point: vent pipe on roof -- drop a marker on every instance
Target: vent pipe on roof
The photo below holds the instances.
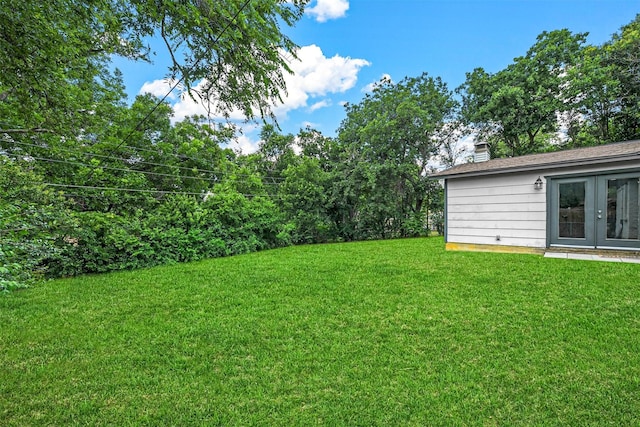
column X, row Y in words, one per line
column 481, row 153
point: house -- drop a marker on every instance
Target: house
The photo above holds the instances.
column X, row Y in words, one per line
column 586, row 198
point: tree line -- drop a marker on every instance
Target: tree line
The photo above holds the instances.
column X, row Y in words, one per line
column 89, row 183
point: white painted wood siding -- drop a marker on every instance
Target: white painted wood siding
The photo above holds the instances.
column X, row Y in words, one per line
column 479, row 209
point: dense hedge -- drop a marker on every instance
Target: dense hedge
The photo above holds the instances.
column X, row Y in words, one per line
column 181, row 228
column 32, row 217
column 43, row 237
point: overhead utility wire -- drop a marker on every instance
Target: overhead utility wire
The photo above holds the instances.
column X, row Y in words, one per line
column 144, row 190
column 219, row 172
column 124, row 159
column 181, row 157
column 134, row 190
column 69, row 162
column 175, row 85
column 213, row 180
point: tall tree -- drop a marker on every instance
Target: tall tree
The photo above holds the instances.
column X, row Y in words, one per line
column 275, row 153
column 594, row 93
column 604, row 90
column 516, row 108
column 623, row 52
column 54, row 54
column 388, row 140
column 304, row 201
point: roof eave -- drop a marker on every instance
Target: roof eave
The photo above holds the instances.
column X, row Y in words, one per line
column 549, row 165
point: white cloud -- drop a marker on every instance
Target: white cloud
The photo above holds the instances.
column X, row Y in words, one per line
column 244, row 144
column 320, row 104
column 186, row 105
column 319, row 75
column 296, row 145
column 314, row 75
column 328, row 9
column 196, row 105
column 160, row 88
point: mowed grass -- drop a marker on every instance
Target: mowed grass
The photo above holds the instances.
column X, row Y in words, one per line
column 374, row 333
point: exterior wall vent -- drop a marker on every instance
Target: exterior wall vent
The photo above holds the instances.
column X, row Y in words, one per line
column 481, row 153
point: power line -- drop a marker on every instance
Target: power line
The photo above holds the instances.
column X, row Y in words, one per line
column 133, row 190
column 275, row 180
column 212, row 180
column 143, row 190
column 129, row 161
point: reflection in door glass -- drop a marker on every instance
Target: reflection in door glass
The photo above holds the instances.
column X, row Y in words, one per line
column 623, row 219
column 571, row 206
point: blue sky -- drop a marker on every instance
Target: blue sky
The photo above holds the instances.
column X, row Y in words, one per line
column 346, row 45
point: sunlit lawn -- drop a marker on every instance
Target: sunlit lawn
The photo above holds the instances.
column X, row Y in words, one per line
column 374, row 333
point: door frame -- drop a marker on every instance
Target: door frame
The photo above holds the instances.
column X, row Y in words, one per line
column 595, row 211
column 602, row 241
column 589, row 240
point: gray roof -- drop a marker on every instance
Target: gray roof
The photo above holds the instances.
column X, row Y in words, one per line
column 610, row 153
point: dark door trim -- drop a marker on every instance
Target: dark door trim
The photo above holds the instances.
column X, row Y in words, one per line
column 617, row 211
column 610, row 204
column 570, row 216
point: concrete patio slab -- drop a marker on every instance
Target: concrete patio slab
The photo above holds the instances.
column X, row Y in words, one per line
column 591, row 257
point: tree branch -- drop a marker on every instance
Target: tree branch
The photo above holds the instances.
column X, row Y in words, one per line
column 165, row 38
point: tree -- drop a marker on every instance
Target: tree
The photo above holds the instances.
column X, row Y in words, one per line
column 516, row 108
column 594, row 94
column 54, row 55
column 604, row 91
column 304, row 200
column 452, row 147
column 623, row 53
column 388, row 140
column 64, row 117
column 33, row 218
column 275, row 153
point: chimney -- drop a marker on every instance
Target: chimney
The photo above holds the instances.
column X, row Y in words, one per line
column 481, row 153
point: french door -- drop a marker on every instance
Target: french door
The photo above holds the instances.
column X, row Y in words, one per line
column 595, row 211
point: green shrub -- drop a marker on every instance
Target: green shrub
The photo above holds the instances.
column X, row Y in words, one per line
column 180, row 229
column 32, row 218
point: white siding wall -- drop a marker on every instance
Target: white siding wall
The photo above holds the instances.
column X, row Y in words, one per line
column 480, row 209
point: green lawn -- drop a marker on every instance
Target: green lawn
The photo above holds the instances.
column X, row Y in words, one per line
column 375, row 333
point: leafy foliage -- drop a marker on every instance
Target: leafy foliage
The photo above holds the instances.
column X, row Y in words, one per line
column 623, row 55
column 516, row 108
column 91, row 183
column 562, row 93
column 305, row 202
column 32, row 219
column 388, row 140
column 55, row 54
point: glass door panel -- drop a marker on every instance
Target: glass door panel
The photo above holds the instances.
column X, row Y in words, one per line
column 619, row 211
column 571, row 218
column 622, row 209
